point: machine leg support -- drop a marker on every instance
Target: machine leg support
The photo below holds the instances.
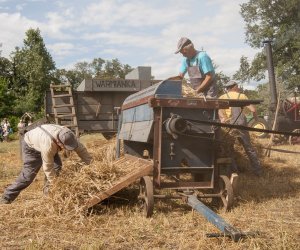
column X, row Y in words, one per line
column 216, row 220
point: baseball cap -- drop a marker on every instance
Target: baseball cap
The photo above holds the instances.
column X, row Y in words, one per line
column 230, row 83
column 183, row 41
column 68, row 139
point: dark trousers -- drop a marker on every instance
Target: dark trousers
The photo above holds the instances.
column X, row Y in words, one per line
column 244, row 139
column 32, row 162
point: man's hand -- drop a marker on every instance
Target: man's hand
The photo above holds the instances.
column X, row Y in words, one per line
column 255, row 116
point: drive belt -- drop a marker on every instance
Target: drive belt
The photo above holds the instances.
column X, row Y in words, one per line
column 226, row 125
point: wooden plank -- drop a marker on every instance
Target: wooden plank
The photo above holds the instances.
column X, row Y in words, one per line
column 61, row 96
column 99, row 117
column 92, row 108
column 53, row 86
column 98, row 125
column 124, row 182
column 63, row 105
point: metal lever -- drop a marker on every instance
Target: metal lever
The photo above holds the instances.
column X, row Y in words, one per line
column 216, row 220
column 241, row 235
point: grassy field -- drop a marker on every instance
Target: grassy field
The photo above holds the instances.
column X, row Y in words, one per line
column 269, row 204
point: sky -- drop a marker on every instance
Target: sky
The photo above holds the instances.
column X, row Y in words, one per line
column 137, row 32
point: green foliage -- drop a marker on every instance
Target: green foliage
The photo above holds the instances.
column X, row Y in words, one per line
column 243, row 74
column 6, row 98
column 33, row 67
column 221, row 79
column 14, row 120
column 279, row 21
column 98, row 68
column 255, row 95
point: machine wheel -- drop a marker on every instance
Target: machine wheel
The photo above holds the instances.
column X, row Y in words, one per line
column 146, row 196
column 294, row 139
column 261, row 124
column 226, row 192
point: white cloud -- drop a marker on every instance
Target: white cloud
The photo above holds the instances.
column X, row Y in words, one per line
column 19, row 7
column 13, row 28
column 131, row 14
column 61, row 49
column 59, row 25
column 138, row 32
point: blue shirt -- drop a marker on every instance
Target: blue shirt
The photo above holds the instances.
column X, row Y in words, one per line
column 204, row 61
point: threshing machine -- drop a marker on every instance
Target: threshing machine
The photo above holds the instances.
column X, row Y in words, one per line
column 157, row 123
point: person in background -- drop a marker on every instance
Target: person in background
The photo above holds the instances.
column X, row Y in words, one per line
column 199, row 67
column 40, row 147
column 1, row 133
column 6, row 129
column 234, row 115
column 21, row 125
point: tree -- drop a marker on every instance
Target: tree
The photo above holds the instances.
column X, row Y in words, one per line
column 33, row 72
column 98, row 68
column 243, row 74
column 6, row 98
column 279, row 21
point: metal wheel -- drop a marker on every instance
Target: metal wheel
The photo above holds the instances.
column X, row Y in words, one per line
column 294, row 139
column 226, row 192
column 146, row 195
column 260, row 123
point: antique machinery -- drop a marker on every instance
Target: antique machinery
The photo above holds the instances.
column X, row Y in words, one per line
column 289, row 113
column 159, row 124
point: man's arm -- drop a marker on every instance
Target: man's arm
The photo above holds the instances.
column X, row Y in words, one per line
column 252, row 108
column 82, row 152
column 48, row 163
column 205, row 84
column 222, row 116
column 181, row 75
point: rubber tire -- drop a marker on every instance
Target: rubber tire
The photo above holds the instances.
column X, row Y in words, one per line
column 259, row 123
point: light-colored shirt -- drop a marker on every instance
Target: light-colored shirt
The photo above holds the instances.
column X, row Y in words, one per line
column 43, row 143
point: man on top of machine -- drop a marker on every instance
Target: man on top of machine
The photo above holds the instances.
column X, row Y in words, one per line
column 199, row 67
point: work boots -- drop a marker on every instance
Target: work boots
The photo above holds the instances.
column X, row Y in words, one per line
column 4, row 201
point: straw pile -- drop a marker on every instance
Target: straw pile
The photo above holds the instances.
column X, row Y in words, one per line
column 187, row 90
column 78, row 182
column 268, row 204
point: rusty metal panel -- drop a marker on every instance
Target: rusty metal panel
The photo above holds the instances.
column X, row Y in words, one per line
column 157, row 140
column 166, row 88
column 189, row 103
